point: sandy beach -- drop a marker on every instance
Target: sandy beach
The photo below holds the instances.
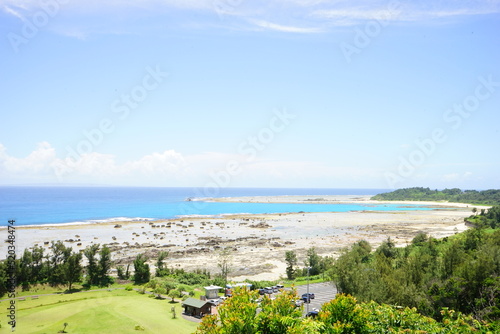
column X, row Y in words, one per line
column 258, row 242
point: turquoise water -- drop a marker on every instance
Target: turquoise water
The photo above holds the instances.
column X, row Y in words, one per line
column 55, row 205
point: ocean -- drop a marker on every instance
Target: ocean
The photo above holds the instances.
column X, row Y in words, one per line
column 62, row 205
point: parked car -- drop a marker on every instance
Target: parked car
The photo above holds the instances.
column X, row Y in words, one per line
column 307, row 297
column 280, row 287
column 262, row 291
column 298, row 302
column 215, row 302
column 313, row 314
column 275, row 289
column 269, row 290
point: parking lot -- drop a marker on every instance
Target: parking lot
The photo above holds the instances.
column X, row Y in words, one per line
column 324, row 292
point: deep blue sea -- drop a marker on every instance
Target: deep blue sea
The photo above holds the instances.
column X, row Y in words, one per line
column 57, row 205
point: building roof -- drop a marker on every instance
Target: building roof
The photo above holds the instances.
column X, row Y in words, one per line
column 213, row 287
column 193, row 302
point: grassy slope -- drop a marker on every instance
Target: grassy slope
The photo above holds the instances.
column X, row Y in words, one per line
column 117, row 311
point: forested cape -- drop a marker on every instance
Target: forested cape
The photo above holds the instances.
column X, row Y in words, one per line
column 485, row 197
column 461, row 272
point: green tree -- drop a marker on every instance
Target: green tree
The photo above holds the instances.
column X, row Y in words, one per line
column 141, row 269
column 92, row 264
column 313, row 261
column 170, row 284
column 344, row 315
column 26, row 269
column 37, row 270
column 236, row 316
column 419, row 239
column 121, row 273
column 73, row 269
column 60, row 255
column 279, row 315
column 160, row 265
column 388, row 248
column 175, row 293
column 451, row 258
column 158, row 287
column 291, row 262
column 104, row 265
column 350, row 273
column 4, row 277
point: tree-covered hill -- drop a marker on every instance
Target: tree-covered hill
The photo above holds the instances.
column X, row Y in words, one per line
column 485, row 197
column 461, row 272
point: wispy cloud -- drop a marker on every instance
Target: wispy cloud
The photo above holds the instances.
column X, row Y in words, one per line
column 287, row 16
column 357, row 12
column 13, row 12
column 353, row 16
column 284, row 28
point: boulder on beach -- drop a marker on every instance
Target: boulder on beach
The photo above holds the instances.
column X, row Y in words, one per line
column 260, row 225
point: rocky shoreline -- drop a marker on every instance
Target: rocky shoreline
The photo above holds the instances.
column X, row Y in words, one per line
column 257, row 242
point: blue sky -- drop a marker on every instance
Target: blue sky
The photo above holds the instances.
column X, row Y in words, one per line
column 297, row 93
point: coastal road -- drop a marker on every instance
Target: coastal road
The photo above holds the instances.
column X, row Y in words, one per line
column 323, row 292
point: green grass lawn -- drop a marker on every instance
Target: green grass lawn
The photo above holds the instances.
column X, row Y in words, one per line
column 116, row 311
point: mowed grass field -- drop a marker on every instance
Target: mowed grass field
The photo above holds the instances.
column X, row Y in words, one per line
column 115, row 311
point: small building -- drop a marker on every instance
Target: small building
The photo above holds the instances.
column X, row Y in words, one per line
column 196, row 308
column 212, row 291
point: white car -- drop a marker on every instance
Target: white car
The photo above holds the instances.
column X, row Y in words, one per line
column 299, row 302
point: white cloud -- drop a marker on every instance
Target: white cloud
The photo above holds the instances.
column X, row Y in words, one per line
column 168, row 168
column 283, row 28
column 13, row 12
column 166, row 162
column 356, row 14
column 37, row 161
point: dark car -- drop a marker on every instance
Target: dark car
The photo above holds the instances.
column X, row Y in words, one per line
column 262, row 291
column 306, row 297
column 313, row 314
